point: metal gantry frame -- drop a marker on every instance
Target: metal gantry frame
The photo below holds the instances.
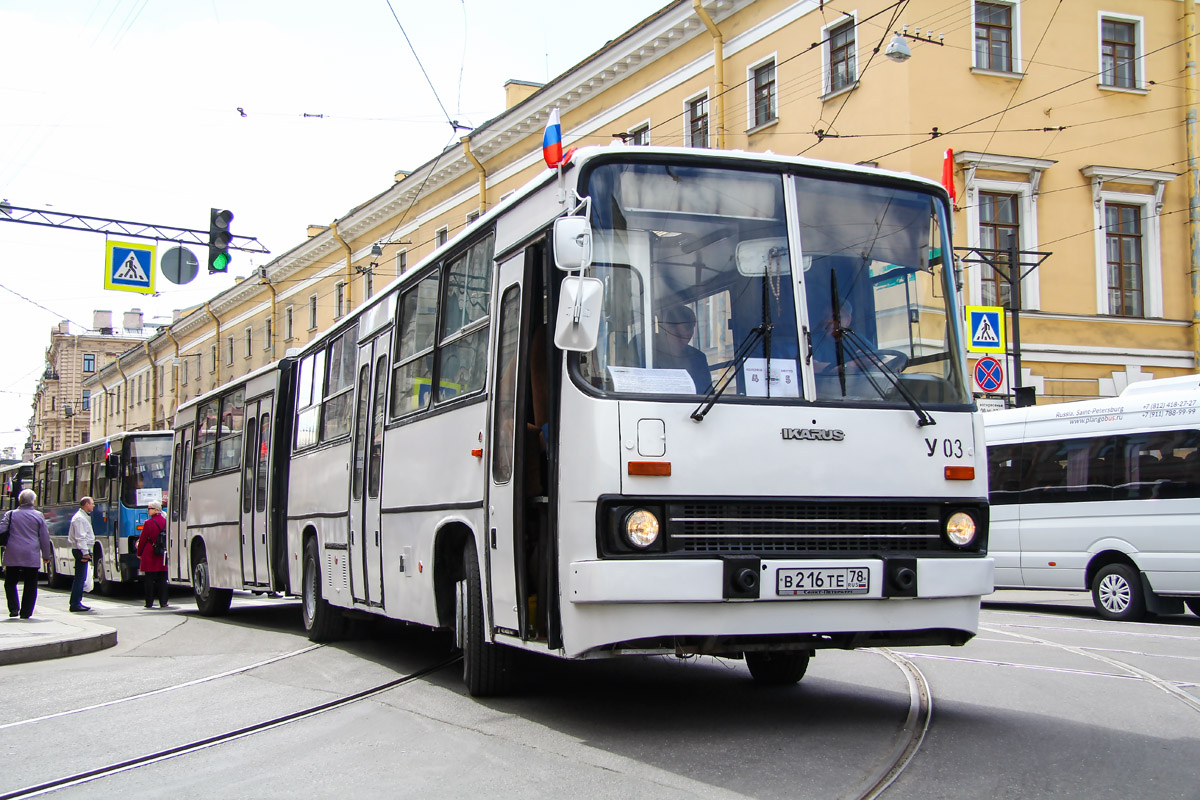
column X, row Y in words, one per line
column 1009, row 263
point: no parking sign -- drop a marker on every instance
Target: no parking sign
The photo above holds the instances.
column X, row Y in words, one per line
column 988, row 375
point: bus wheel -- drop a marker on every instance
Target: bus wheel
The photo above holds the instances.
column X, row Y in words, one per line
column 209, row 601
column 54, row 580
column 323, row 622
column 487, row 668
column 100, row 580
column 1193, row 604
column 1117, row 593
column 777, row 669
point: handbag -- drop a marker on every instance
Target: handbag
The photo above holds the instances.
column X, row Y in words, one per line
column 87, row 577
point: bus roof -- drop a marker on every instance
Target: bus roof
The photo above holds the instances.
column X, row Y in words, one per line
column 114, row 439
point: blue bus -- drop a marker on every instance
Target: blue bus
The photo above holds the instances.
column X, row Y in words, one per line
column 123, row 474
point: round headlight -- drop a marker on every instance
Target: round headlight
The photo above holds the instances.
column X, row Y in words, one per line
column 641, row 528
column 960, row 528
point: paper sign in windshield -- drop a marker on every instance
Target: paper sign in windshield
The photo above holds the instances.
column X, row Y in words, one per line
column 784, row 380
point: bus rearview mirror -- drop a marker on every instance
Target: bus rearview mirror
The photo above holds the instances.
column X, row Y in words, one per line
column 580, row 302
column 572, row 243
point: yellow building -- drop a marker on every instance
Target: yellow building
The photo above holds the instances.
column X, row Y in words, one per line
column 1067, row 122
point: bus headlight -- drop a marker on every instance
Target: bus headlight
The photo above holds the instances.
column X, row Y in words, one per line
column 960, row 528
column 641, row 528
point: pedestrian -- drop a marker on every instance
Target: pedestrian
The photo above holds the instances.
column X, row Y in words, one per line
column 81, row 538
column 153, row 559
column 28, row 538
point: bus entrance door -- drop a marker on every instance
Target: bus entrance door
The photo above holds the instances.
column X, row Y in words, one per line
column 366, row 554
column 255, row 474
column 177, row 549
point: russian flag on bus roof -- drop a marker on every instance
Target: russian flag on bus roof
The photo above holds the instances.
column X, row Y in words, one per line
column 552, row 141
column 107, row 449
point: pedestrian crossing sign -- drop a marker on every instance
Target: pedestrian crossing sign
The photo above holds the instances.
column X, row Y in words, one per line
column 985, row 329
column 129, row 267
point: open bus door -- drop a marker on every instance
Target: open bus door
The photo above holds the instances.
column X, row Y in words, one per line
column 366, row 553
column 255, row 476
column 177, row 552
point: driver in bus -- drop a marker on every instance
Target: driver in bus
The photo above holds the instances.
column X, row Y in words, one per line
column 676, row 326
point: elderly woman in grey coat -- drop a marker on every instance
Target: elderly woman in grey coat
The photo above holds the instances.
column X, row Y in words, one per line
column 28, row 539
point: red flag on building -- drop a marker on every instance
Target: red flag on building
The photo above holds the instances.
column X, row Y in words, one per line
column 948, row 176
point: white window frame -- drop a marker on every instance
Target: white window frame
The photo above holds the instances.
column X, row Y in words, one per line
column 827, row 90
column 1026, row 192
column 268, row 332
column 687, row 119
column 441, row 236
column 339, row 299
column 288, row 322
column 1151, row 202
column 249, row 341
column 1139, row 60
column 229, row 351
column 1017, row 63
column 213, row 354
column 312, row 312
column 644, row 125
column 751, row 125
column 401, row 262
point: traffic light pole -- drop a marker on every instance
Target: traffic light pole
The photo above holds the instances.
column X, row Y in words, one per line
column 136, row 230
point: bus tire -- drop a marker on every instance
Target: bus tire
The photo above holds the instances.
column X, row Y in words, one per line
column 1117, row 593
column 209, row 601
column 1193, row 604
column 54, row 580
column 777, row 669
column 323, row 622
column 101, row 584
column 487, row 667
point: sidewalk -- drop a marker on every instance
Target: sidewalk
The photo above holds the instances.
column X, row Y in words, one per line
column 52, row 632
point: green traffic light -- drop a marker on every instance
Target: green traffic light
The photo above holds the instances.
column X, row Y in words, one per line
column 221, row 262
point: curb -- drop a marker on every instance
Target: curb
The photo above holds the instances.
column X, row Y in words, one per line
column 60, row 648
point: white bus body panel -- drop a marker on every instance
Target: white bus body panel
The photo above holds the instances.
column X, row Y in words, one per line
column 1049, row 545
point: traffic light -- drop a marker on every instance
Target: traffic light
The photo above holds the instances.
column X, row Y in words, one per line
column 218, row 239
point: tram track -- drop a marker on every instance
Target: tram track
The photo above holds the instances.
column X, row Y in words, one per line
column 221, row 738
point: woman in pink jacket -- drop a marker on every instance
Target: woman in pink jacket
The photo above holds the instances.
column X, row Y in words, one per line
column 153, row 564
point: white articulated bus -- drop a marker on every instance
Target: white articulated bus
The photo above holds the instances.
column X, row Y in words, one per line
column 1102, row 495
column 657, row 401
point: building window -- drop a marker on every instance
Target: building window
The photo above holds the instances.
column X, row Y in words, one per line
column 1118, row 53
column 998, row 230
column 640, row 136
column 161, row 381
column 183, row 379
column 287, row 324
column 696, row 133
column 441, row 236
column 994, row 37
column 249, row 341
column 401, row 262
column 371, row 280
column 89, row 362
column 842, row 70
column 763, row 82
column 312, row 313
column 212, row 352
column 268, row 333
column 87, row 399
column 339, row 300
column 228, row 350
column 84, row 437
column 1123, row 240
column 472, row 216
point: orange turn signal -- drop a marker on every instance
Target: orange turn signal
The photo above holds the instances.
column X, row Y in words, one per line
column 477, row 452
column 649, row 467
column 960, row 473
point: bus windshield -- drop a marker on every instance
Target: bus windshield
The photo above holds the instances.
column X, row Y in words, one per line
column 146, row 471
column 697, row 266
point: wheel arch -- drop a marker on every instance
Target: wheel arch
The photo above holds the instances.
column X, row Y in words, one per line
column 448, row 546
column 1102, row 559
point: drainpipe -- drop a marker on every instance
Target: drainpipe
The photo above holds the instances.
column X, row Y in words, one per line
column 104, row 411
column 718, row 68
column 216, row 366
column 466, row 143
column 1189, row 33
column 349, row 269
column 125, row 399
column 267, row 284
column 174, row 372
column 153, row 387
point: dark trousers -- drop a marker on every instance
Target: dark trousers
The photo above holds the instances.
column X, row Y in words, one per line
column 81, row 568
column 15, row 575
column 156, row 586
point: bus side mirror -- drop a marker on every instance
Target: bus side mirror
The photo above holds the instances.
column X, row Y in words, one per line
column 580, row 302
column 572, row 243
column 112, row 467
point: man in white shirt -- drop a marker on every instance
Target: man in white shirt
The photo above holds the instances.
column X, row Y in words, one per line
column 81, row 538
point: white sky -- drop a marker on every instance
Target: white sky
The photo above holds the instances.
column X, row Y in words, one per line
column 127, row 109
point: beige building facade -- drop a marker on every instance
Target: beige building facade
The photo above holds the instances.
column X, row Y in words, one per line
column 1068, row 125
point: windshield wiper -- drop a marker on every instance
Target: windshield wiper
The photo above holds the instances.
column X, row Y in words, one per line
column 718, row 389
column 864, row 347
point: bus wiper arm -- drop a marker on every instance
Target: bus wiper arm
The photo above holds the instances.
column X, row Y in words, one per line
column 923, row 417
column 718, row 389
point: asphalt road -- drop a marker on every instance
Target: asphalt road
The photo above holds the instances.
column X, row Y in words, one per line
column 1048, row 700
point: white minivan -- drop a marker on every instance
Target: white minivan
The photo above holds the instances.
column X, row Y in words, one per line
column 1101, row 495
